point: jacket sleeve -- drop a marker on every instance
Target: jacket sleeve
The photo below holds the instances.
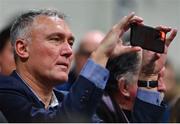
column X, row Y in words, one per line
column 77, row 106
column 146, row 112
column 81, row 102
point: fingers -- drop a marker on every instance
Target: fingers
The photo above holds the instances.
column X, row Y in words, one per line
column 132, row 49
column 171, row 37
column 166, row 30
column 158, row 55
column 124, row 23
column 136, row 19
column 125, row 49
column 125, row 20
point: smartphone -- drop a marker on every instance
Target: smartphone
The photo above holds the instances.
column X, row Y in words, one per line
column 147, row 38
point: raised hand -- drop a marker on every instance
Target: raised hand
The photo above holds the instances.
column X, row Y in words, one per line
column 112, row 44
column 152, row 63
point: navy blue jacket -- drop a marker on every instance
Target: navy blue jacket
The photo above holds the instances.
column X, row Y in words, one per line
column 2, row 118
column 19, row 104
column 142, row 112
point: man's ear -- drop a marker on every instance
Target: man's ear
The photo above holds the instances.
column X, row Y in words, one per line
column 123, row 87
column 21, row 47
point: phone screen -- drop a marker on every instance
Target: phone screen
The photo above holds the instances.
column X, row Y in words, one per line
column 147, row 38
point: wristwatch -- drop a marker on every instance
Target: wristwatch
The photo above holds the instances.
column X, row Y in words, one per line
column 148, row 84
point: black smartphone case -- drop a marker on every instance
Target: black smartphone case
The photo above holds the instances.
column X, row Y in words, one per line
column 147, row 38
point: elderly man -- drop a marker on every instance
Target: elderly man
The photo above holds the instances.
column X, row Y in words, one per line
column 43, row 53
column 121, row 90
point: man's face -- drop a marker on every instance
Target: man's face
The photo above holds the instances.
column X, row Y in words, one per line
column 7, row 63
column 132, row 89
column 50, row 49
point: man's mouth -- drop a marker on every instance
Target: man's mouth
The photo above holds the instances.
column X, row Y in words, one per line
column 63, row 66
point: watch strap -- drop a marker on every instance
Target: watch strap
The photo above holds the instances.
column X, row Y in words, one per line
column 148, row 84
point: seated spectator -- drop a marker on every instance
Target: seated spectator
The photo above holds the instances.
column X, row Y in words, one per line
column 7, row 63
column 171, row 94
column 120, row 92
column 169, row 76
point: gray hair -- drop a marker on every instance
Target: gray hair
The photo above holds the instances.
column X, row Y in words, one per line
column 126, row 65
column 20, row 28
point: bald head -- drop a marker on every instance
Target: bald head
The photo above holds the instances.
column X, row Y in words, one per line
column 93, row 37
column 89, row 42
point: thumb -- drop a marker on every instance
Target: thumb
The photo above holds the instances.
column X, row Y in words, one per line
column 125, row 49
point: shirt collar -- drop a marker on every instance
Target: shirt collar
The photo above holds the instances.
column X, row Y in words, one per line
column 54, row 101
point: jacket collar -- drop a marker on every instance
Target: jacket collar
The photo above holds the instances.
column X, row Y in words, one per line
column 26, row 90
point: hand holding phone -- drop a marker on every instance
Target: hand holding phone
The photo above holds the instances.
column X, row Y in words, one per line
column 147, row 38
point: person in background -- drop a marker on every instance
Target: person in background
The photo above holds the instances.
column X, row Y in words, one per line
column 7, row 63
column 171, row 94
column 175, row 115
column 170, row 76
column 120, row 92
column 89, row 42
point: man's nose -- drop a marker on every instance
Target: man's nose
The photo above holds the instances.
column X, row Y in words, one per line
column 161, row 85
column 66, row 49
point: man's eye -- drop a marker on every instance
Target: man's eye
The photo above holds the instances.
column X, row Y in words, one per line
column 71, row 43
column 54, row 39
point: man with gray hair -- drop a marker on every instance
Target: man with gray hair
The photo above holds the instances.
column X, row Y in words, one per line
column 121, row 89
column 43, row 41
